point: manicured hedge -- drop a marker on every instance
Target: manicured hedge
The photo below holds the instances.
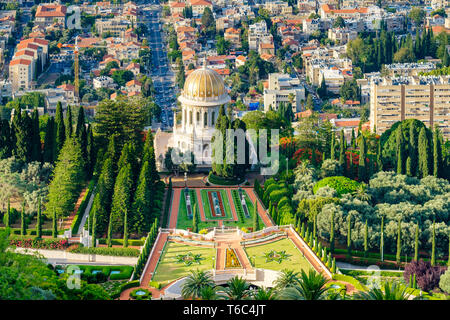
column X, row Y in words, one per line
column 223, row 181
column 145, row 296
column 30, row 232
column 79, row 215
column 105, row 251
column 349, row 279
column 125, row 286
column 125, row 272
column 341, row 184
column 119, row 242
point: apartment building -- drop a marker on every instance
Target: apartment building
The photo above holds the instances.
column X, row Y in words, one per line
column 234, row 36
column 334, row 79
column 21, row 74
column 49, row 13
column 258, row 33
column 283, row 88
column 407, row 69
column 341, row 35
column 423, row 98
column 115, row 27
column 276, row 8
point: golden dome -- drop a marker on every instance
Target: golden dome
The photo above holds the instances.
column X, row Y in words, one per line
column 204, row 84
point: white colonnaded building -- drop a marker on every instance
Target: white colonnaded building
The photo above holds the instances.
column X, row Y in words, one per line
column 202, row 96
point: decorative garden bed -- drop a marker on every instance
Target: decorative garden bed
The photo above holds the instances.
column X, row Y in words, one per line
column 231, row 259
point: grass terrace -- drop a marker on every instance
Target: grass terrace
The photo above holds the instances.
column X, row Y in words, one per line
column 170, row 268
column 294, row 261
column 225, row 201
column 183, row 221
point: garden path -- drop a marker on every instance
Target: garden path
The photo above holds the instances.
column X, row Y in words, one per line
column 262, row 213
column 175, row 207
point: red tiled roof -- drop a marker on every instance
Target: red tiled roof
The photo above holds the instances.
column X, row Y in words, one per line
column 51, row 10
column 20, row 61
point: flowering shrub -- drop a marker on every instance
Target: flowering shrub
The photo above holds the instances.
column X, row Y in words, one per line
column 232, row 260
column 51, row 244
column 303, row 154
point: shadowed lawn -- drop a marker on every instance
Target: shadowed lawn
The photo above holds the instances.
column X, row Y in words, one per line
column 295, row 261
column 170, row 269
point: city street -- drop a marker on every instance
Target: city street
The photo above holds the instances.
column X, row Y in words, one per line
column 162, row 75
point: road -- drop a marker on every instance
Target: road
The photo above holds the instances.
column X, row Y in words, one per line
column 161, row 73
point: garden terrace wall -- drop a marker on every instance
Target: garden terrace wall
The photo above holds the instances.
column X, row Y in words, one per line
column 54, row 254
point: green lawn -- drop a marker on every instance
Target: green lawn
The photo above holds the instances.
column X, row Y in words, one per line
column 226, row 205
column 294, row 262
column 247, row 222
column 169, row 269
column 183, row 221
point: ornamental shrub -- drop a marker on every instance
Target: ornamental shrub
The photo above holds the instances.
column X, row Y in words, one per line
column 341, row 184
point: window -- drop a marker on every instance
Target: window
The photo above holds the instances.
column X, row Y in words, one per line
column 198, row 118
column 190, row 117
column 205, row 119
column 213, row 118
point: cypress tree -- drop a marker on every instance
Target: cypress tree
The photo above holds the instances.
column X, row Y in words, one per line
column 80, row 125
column 416, row 244
column 400, row 151
column 332, row 233
column 7, row 220
column 353, row 141
column 94, row 229
column 332, row 146
column 60, row 136
column 90, row 151
column 109, row 235
column 349, row 235
column 69, row 122
column 399, row 242
column 49, row 142
column 54, row 226
column 315, row 227
column 366, row 243
column 22, row 126
column 142, row 204
column 23, row 224
column 448, row 262
column 379, row 157
column 121, row 199
column 382, row 238
column 333, row 266
column 255, row 217
column 194, row 220
column 414, row 281
column 362, row 169
column 437, row 153
column 125, row 229
column 412, row 149
column 303, row 230
column 39, row 221
column 5, row 139
column 433, row 246
column 423, row 154
column 342, row 151
column 35, row 137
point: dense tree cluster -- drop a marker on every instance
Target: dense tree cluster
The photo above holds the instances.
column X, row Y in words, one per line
column 129, row 193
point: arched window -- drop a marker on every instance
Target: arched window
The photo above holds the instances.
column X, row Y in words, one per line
column 213, row 118
column 184, row 117
column 205, row 119
column 198, row 118
column 190, row 117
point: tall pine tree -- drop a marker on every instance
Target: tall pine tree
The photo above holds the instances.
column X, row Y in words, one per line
column 60, row 135
column 424, row 154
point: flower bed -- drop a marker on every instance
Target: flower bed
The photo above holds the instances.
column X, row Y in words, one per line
column 48, row 244
column 231, row 260
column 105, row 251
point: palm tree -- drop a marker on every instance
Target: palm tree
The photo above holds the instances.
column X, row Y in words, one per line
column 288, row 278
column 208, row 293
column 237, row 289
column 361, row 193
column 265, row 294
column 194, row 284
column 310, row 286
column 390, row 291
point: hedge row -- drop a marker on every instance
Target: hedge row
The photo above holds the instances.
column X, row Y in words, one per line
column 167, row 203
column 30, row 232
column 212, row 178
column 105, row 251
column 80, row 213
column 125, row 286
column 142, row 260
column 342, row 277
column 119, row 242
